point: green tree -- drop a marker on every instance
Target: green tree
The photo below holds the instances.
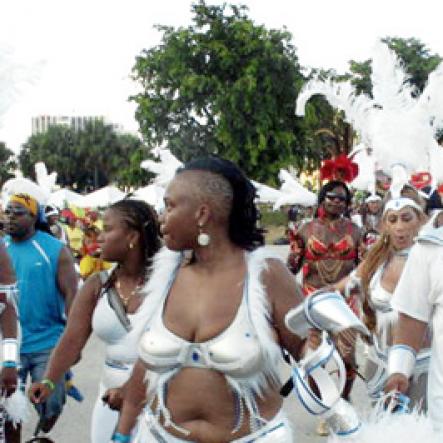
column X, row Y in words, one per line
column 417, row 61
column 7, row 163
column 223, row 85
column 84, row 160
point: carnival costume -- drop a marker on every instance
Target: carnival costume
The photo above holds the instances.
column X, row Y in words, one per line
column 419, row 294
column 120, row 356
column 15, row 407
column 245, row 352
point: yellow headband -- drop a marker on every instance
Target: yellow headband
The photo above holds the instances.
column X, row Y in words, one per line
column 27, row 201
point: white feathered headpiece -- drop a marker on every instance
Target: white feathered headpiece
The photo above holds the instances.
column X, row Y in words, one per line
column 398, row 127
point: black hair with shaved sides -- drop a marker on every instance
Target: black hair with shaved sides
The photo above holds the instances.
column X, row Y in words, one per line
column 243, row 215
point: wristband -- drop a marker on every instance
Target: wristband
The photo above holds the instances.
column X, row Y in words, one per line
column 122, row 438
column 10, row 349
column 401, row 360
column 49, row 383
column 9, row 364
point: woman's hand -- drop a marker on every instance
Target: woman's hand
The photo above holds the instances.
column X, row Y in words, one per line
column 39, row 392
column 8, row 381
column 397, row 383
column 314, row 338
column 114, row 398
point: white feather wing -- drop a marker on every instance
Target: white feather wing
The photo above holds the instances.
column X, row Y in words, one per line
column 293, row 193
column 341, row 95
column 390, row 87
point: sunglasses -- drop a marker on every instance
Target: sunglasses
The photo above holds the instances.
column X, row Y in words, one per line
column 16, row 211
column 332, row 196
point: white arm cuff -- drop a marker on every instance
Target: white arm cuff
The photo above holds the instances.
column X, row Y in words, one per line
column 401, row 360
column 10, row 349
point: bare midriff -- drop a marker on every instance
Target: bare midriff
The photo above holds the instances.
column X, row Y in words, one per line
column 201, row 401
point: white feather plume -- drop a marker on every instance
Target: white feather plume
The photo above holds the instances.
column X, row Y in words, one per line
column 340, row 95
column 431, row 100
column 45, row 180
column 384, row 426
column 398, row 127
column 390, row 87
column 164, row 169
column 365, row 180
column 293, row 193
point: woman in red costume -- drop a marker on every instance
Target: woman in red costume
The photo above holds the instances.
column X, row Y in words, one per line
column 326, row 250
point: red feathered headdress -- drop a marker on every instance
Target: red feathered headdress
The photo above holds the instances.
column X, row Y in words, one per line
column 339, row 168
column 421, row 179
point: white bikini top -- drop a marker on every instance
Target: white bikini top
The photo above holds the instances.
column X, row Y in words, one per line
column 121, row 346
column 245, row 352
column 236, row 351
column 380, row 297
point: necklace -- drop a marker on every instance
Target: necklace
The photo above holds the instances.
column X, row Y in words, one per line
column 125, row 298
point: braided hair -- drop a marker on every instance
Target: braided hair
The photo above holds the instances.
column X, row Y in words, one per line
column 142, row 217
column 243, row 214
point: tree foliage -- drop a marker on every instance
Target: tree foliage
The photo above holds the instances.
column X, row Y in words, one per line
column 7, row 163
column 84, row 160
column 223, row 85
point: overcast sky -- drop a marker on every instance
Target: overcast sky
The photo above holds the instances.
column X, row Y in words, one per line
column 79, row 53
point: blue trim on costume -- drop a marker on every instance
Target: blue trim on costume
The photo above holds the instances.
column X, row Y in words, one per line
column 308, row 390
column 345, row 433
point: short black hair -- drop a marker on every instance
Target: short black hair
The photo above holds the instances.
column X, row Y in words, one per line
column 243, row 217
column 328, row 187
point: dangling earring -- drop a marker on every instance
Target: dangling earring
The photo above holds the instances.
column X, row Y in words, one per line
column 131, row 245
column 203, row 239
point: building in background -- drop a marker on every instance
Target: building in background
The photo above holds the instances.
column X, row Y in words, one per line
column 41, row 123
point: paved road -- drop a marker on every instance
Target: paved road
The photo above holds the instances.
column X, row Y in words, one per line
column 73, row 426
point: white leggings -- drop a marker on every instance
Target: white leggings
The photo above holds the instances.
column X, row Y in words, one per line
column 104, row 419
column 277, row 430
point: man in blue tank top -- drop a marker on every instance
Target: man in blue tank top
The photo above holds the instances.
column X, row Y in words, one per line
column 47, row 283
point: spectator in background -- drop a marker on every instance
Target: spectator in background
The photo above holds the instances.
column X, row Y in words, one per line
column 47, row 284
column 75, row 235
column 53, row 216
column 91, row 261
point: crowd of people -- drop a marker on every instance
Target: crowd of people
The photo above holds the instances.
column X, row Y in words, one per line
column 191, row 305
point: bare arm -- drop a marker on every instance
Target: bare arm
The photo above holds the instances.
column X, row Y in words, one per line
column 284, row 294
column 79, row 328
column 66, row 277
column 410, row 331
column 134, row 399
column 8, row 319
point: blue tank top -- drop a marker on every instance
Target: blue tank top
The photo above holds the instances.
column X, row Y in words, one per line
column 41, row 305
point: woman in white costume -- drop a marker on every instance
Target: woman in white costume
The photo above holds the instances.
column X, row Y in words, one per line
column 211, row 350
column 109, row 306
column 12, row 409
column 419, row 300
column 376, row 279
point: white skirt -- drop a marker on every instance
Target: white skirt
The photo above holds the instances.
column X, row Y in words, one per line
column 277, row 430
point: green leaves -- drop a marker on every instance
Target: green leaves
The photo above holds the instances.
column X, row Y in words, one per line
column 222, row 85
column 86, row 159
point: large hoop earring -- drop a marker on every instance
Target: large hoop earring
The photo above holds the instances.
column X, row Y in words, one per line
column 203, row 239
